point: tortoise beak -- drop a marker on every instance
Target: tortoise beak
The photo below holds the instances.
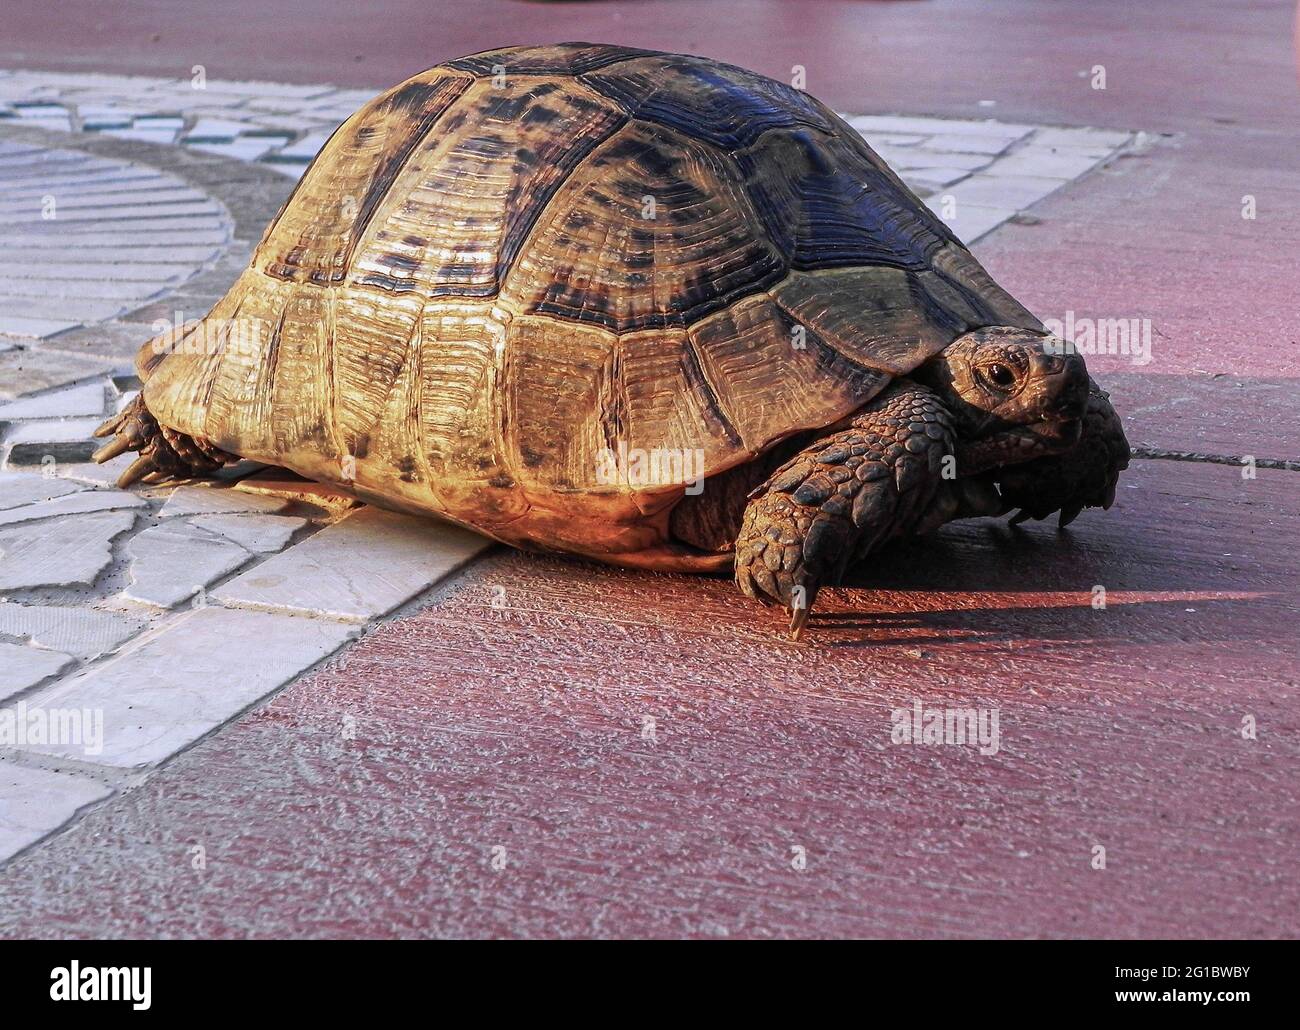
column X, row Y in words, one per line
column 1060, row 434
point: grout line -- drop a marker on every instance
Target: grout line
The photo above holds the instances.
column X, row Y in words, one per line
column 1158, row 454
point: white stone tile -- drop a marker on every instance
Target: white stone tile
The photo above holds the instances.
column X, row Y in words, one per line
column 219, row 500
column 80, row 312
column 257, row 88
column 305, row 148
column 92, row 474
column 40, row 110
column 175, row 686
column 114, row 230
column 163, row 135
column 1016, row 192
column 97, row 261
column 17, row 488
column 47, row 163
column 56, row 124
column 82, row 632
column 105, row 209
column 128, row 237
column 933, row 178
column 160, row 121
column 967, row 144
column 72, row 504
column 71, row 439
column 126, row 270
column 60, row 552
column 218, row 129
column 289, row 169
column 261, row 534
column 23, row 666
column 914, row 157
column 80, row 194
column 361, row 567
column 34, row 328
column 172, row 562
column 106, row 115
column 894, row 139
column 246, row 148
column 43, row 369
column 36, row 802
column 130, row 292
column 1085, row 138
column 970, row 221
column 70, row 402
column 867, row 124
column 1045, row 162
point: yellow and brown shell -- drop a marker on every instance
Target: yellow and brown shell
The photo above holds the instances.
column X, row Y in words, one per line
column 516, row 267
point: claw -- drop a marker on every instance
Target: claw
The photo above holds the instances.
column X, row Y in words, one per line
column 138, row 469
column 112, row 449
column 798, row 619
column 109, row 425
column 1069, row 514
column 1021, row 516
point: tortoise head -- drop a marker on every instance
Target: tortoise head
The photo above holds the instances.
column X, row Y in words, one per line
column 1014, row 394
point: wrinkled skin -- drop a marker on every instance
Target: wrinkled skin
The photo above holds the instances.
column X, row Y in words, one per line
column 1002, row 419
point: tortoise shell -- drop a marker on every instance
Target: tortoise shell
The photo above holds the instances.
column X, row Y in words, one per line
column 509, row 267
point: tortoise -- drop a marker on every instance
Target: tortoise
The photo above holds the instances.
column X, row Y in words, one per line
column 642, row 307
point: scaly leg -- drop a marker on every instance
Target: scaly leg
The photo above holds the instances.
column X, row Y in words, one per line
column 841, row 497
column 1083, row 477
column 164, row 453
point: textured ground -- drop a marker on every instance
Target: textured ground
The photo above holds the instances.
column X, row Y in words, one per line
column 550, row 747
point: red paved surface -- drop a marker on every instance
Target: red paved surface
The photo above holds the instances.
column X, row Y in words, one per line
column 1178, row 63
column 521, row 728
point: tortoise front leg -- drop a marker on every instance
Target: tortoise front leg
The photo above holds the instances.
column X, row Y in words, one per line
column 843, row 496
column 1083, row 477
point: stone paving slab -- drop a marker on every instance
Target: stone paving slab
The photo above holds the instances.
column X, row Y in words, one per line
column 172, row 562
column 24, row 371
column 74, row 402
column 24, row 667
column 178, row 685
column 36, row 802
column 61, row 551
column 77, row 504
column 339, row 573
column 31, row 442
column 81, row 632
column 115, row 222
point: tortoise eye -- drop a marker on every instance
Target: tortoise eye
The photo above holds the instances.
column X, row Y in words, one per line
column 999, row 375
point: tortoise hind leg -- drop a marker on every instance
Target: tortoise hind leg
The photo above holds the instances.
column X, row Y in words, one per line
column 164, row 453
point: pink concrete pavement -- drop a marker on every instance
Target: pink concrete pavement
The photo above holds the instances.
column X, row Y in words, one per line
column 522, row 728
